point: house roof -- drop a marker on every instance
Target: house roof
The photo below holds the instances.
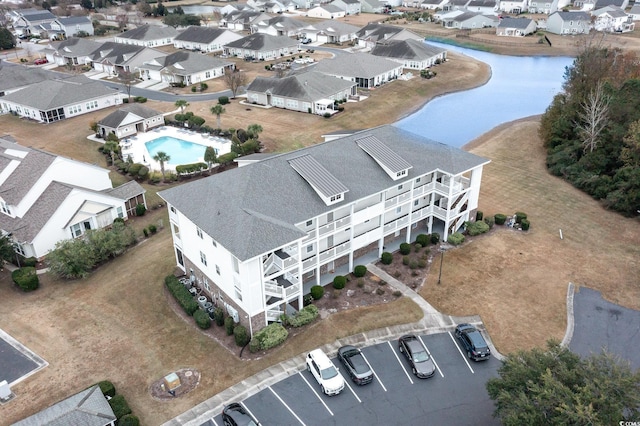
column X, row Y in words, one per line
column 330, row 7
column 261, row 41
column 87, row 408
column 114, row 119
column 309, row 86
column 74, row 46
column 612, row 11
column 375, row 32
column 519, row 23
column 406, row 49
column 15, row 76
column 332, row 27
column 186, row 63
column 602, row 3
column 635, row 9
column 32, row 165
column 362, row 65
column 204, row 35
column 470, row 15
column 282, row 23
column 149, row 32
column 482, row 3
column 572, row 16
column 52, row 94
column 248, row 212
column 127, row 190
column 39, row 15
column 73, row 20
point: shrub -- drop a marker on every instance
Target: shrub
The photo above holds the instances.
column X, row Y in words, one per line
column 134, row 169
column 29, row 261
column 140, row 209
column 145, row 231
column 181, row 294
column 193, row 89
column 119, row 406
column 423, row 239
column 520, row 216
column 499, row 219
column 479, row 215
column 489, row 220
column 413, row 264
column 405, row 260
column 307, row 299
column 140, row 99
column 241, row 335
column 223, row 100
column 417, row 247
column 153, row 229
column 303, row 317
column 118, row 220
column 202, row 319
column 422, row 263
column 477, row 228
column 456, row 239
column 129, row 420
column 360, row 283
column 359, row 271
column 317, row 291
column 186, row 169
column 386, row 258
column 107, row 388
column 397, row 293
column 405, row 248
column 326, row 115
column 229, row 325
column 26, row 278
column 379, row 291
column 218, row 316
column 339, row 282
column 435, row 238
column 268, row 337
column 525, row 224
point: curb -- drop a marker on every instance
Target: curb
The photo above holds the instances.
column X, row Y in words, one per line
column 568, row 334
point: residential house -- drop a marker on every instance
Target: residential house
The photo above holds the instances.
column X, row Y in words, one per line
column 204, row 39
column 513, row 6
column 262, row 47
column 516, row 27
column 635, row 12
column 89, row 407
column 115, row 58
column 148, row 36
column 442, row 15
column 569, row 23
column 612, row 19
column 547, row 6
column 184, row 68
column 587, row 5
column 255, row 238
column 303, row 4
column 431, row 4
column 326, row 11
column 350, row 7
column 330, row 32
column 242, row 20
column 53, row 100
column 45, row 198
column 364, row 69
column 373, row 33
column 279, row 26
column 73, row 51
column 485, row 7
column 271, row 6
column 452, row 5
column 470, row 20
column 129, row 120
column 411, row 54
column 309, row 92
column 71, row 26
column 27, row 22
column 14, row 78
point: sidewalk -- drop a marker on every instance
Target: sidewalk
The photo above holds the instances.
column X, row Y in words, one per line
column 432, row 322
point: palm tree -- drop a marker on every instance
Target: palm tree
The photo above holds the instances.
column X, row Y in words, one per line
column 254, row 130
column 162, row 157
column 112, row 148
column 218, row 110
column 182, row 104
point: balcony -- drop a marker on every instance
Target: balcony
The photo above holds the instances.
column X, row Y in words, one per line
column 335, row 225
column 278, row 261
column 282, row 289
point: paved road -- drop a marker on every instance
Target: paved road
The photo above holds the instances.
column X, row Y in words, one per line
column 599, row 324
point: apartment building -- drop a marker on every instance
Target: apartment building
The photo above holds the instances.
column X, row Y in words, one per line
column 252, row 237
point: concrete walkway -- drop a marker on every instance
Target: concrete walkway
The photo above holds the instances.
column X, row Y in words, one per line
column 432, row 322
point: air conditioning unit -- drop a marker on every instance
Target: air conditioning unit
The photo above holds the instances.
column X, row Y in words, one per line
column 233, row 313
column 5, row 392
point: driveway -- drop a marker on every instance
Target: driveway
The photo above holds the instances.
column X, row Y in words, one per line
column 601, row 324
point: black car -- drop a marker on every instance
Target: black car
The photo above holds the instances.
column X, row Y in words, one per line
column 235, row 414
column 421, row 363
column 472, row 342
column 355, row 364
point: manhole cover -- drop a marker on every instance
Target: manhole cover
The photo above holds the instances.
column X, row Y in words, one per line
column 188, row 373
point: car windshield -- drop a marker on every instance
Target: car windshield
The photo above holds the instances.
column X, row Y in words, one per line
column 329, row 373
column 420, row 356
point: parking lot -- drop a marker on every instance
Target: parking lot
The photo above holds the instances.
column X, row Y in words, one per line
column 455, row 394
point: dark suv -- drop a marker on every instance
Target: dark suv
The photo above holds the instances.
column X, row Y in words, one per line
column 473, row 342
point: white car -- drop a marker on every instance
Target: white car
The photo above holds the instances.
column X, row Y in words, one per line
column 326, row 374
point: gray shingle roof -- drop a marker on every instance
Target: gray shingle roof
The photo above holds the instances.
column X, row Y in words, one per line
column 41, row 15
column 635, row 9
column 362, row 65
column 333, row 27
column 283, row 23
column 309, row 86
column 376, row 31
column 203, row 35
column 331, row 8
column 406, row 49
column 73, row 20
column 52, row 94
column 261, row 41
column 15, row 76
column 190, row 62
column 115, row 53
column 482, row 3
column 149, row 32
column 127, row 190
column 30, row 169
column 114, row 119
column 253, row 209
column 87, row 408
column 75, row 46
column 519, row 23
column 574, row 16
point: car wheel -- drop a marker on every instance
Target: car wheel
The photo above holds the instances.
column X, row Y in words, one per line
column 322, row 388
column 469, row 354
column 400, row 349
column 415, row 373
column 308, row 368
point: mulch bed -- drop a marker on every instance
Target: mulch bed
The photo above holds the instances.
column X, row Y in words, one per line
column 189, row 379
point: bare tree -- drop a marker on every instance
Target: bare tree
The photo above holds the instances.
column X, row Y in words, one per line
column 593, row 117
column 122, row 19
column 234, row 79
column 128, row 78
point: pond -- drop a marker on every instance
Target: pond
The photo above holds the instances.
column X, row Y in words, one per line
column 519, row 87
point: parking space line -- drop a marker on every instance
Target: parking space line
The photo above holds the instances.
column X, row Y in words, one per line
column 354, row 394
column 461, row 354
column 314, row 391
column 374, row 373
column 400, row 362
column 431, row 356
column 286, row 406
column 247, row 408
column 212, row 420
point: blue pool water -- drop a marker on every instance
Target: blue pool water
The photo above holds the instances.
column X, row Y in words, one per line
column 180, row 151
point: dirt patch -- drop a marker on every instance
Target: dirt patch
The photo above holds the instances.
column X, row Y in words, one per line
column 189, row 380
column 411, row 269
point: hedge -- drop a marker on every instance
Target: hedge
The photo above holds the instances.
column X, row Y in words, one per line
column 405, row 248
column 183, row 169
column 525, row 224
column 268, row 337
column 303, row 317
column 435, row 238
column 241, row 335
column 479, row 215
column 202, row 319
column 223, row 100
column 218, row 316
column 423, row 239
column 500, row 219
column 29, row 261
column 129, row 420
column 229, row 325
column 26, row 278
column 119, row 406
column 477, row 228
column 360, row 271
column 456, row 239
column 339, row 282
column 520, row 216
column 386, row 258
column 489, row 220
column 181, row 294
column 317, row 291
column 107, row 388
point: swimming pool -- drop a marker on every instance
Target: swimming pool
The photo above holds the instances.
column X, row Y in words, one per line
column 180, row 151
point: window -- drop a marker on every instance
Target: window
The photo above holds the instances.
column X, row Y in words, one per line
column 199, row 232
column 238, row 291
column 176, row 230
column 5, row 208
column 399, row 187
column 120, row 212
column 214, row 242
column 416, row 202
column 91, row 105
column 19, row 249
column 236, row 265
column 76, row 230
column 217, row 270
column 418, row 180
column 203, row 258
column 207, row 74
column 309, row 222
column 309, row 248
column 205, row 281
column 173, row 209
column 398, row 210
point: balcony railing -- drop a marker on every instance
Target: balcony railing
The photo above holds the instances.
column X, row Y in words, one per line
column 273, row 314
column 335, row 225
